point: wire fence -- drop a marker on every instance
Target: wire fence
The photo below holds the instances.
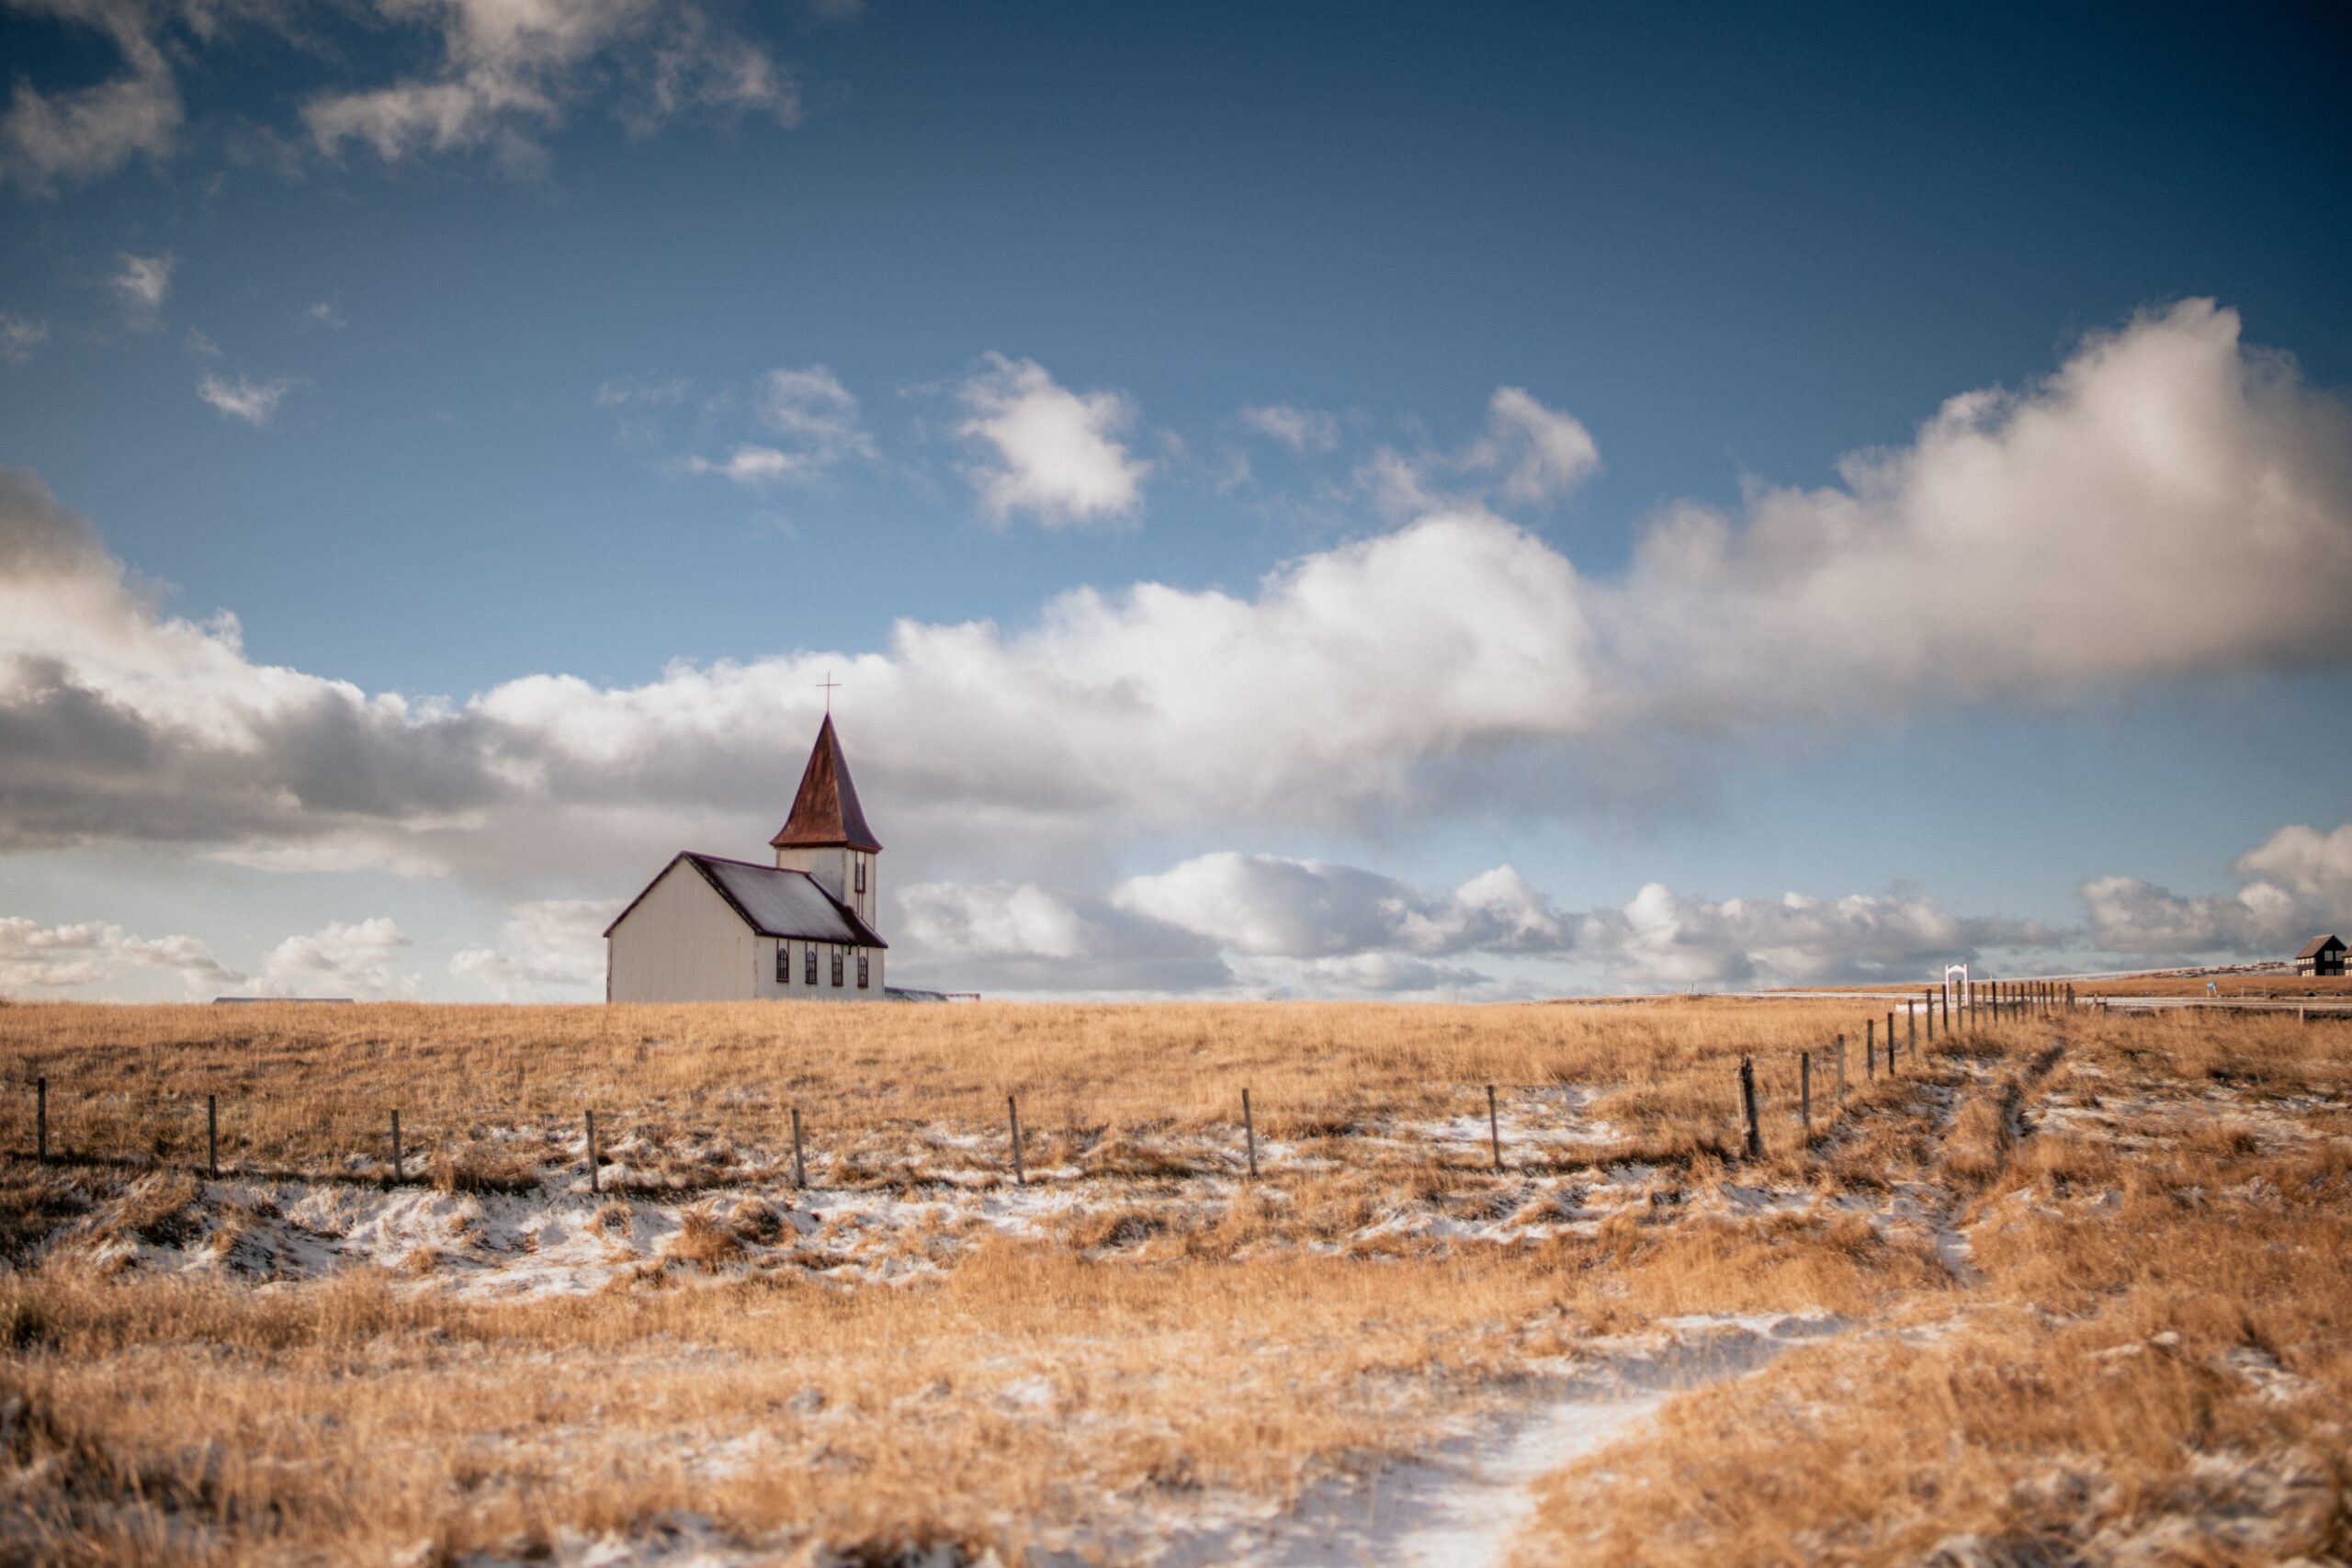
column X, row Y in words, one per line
column 1772, row 1103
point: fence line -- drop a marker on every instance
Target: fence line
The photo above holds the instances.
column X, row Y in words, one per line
column 1747, row 1105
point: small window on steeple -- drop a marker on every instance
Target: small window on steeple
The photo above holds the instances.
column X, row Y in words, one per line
column 861, row 874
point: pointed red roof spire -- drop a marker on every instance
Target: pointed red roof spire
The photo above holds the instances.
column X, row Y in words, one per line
column 825, row 813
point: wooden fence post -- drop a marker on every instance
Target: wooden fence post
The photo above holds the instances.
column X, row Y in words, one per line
column 396, row 1148
column 1869, row 1035
column 1931, row 1019
column 1748, row 1099
column 1250, row 1134
column 1804, row 1094
column 212, row 1136
column 1890, row 1045
column 593, row 1185
column 40, row 1119
column 799, row 1164
column 1013, row 1106
column 1494, row 1127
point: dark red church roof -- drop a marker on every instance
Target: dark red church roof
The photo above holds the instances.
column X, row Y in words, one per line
column 825, row 814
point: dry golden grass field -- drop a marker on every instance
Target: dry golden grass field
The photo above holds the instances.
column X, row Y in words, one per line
column 2062, row 1288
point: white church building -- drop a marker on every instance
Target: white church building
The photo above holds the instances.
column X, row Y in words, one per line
column 710, row 929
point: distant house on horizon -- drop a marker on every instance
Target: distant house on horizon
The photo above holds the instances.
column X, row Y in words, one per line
column 2321, row 955
column 708, row 929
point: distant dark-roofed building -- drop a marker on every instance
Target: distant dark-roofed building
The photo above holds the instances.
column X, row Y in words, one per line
column 710, row 928
column 2321, row 955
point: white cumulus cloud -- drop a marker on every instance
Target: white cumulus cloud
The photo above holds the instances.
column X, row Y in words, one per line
column 1054, row 455
column 2299, row 885
column 1270, row 907
column 1284, row 927
column 34, row 957
column 340, row 959
column 1537, row 454
column 991, row 919
column 549, row 950
column 1456, row 663
column 1662, row 938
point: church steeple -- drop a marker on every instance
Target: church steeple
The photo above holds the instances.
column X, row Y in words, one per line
column 825, row 814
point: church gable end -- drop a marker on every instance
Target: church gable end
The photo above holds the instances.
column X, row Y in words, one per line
column 711, row 929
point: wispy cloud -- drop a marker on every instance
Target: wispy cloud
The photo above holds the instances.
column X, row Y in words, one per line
column 1529, row 456
column 325, row 315
column 813, row 421
column 253, row 401
column 509, row 74
column 142, row 283
column 626, row 394
column 20, row 336
column 752, row 466
column 1301, row 430
column 51, row 138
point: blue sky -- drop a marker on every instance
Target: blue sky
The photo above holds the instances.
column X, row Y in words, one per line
column 1490, row 443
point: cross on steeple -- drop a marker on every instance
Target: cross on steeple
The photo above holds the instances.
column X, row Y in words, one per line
column 829, row 683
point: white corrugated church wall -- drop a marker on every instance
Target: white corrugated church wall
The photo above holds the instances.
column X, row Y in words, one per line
column 682, row 943
column 824, row 990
